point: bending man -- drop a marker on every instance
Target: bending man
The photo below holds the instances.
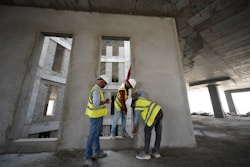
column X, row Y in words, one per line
column 152, row 115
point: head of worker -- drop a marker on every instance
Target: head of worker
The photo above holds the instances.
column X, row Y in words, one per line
column 135, row 96
column 102, row 81
column 131, row 83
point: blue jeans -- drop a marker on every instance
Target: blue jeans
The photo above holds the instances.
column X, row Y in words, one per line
column 93, row 140
column 117, row 115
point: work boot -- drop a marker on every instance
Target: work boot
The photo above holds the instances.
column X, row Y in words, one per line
column 143, row 156
column 90, row 162
column 112, row 136
column 100, row 154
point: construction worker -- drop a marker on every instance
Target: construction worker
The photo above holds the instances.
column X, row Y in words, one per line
column 152, row 115
column 121, row 108
column 96, row 110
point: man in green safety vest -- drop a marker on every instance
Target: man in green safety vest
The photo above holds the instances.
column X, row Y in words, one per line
column 152, row 115
column 96, row 110
column 121, row 108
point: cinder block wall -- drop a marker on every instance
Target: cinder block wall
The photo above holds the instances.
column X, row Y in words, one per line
column 155, row 60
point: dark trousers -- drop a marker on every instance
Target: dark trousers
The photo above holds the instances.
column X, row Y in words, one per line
column 157, row 124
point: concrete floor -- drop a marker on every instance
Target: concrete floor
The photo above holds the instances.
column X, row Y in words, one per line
column 220, row 142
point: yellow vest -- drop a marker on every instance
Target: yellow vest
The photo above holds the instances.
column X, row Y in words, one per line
column 118, row 104
column 149, row 110
column 95, row 112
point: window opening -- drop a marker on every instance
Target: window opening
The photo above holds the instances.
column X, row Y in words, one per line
column 47, row 93
column 51, row 100
column 115, row 72
column 58, row 58
column 115, row 61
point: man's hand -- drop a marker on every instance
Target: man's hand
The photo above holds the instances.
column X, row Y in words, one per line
column 107, row 101
column 124, row 112
column 134, row 129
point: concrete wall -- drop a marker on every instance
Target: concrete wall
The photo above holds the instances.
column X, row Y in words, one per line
column 155, row 59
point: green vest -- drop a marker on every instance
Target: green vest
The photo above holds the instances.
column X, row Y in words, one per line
column 93, row 111
column 149, row 110
column 118, row 104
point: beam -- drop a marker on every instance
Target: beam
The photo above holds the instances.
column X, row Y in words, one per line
column 209, row 81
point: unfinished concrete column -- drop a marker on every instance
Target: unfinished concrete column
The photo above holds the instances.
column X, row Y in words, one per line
column 218, row 113
column 230, row 102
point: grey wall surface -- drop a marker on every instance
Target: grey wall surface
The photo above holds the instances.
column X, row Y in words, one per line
column 155, row 61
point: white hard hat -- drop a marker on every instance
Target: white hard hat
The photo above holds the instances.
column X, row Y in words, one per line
column 132, row 82
column 105, row 78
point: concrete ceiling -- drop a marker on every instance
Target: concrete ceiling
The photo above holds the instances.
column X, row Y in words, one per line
column 214, row 35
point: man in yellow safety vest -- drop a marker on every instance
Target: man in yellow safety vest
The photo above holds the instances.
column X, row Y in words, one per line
column 96, row 110
column 152, row 115
column 121, row 108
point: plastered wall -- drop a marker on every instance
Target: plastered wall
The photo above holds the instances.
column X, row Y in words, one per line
column 156, row 66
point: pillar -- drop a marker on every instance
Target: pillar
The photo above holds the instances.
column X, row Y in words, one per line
column 218, row 113
column 230, row 102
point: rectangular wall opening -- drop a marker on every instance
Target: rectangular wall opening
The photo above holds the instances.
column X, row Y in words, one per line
column 51, row 101
column 47, row 93
column 58, row 58
column 115, row 60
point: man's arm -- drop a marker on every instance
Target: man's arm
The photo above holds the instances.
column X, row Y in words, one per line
column 136, row 121
column 122, row 100
column 136, row 118
column 96, row 98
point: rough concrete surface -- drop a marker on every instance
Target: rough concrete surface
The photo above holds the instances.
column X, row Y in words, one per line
column 158, row 51
column 220, row 142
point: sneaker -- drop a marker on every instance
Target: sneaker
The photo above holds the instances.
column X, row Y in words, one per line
column 112, row 136
column 90, row 162
column 155, row 155
column 125, row 134
column 143, row 155
column 100, row 154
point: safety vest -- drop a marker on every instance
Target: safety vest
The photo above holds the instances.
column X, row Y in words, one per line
column 96, row 111
column 149, row 110
column 118, row 104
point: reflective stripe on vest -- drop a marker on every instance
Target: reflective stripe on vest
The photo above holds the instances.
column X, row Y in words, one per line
column 149, row 110
column 95, row 112
column 118, row 104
